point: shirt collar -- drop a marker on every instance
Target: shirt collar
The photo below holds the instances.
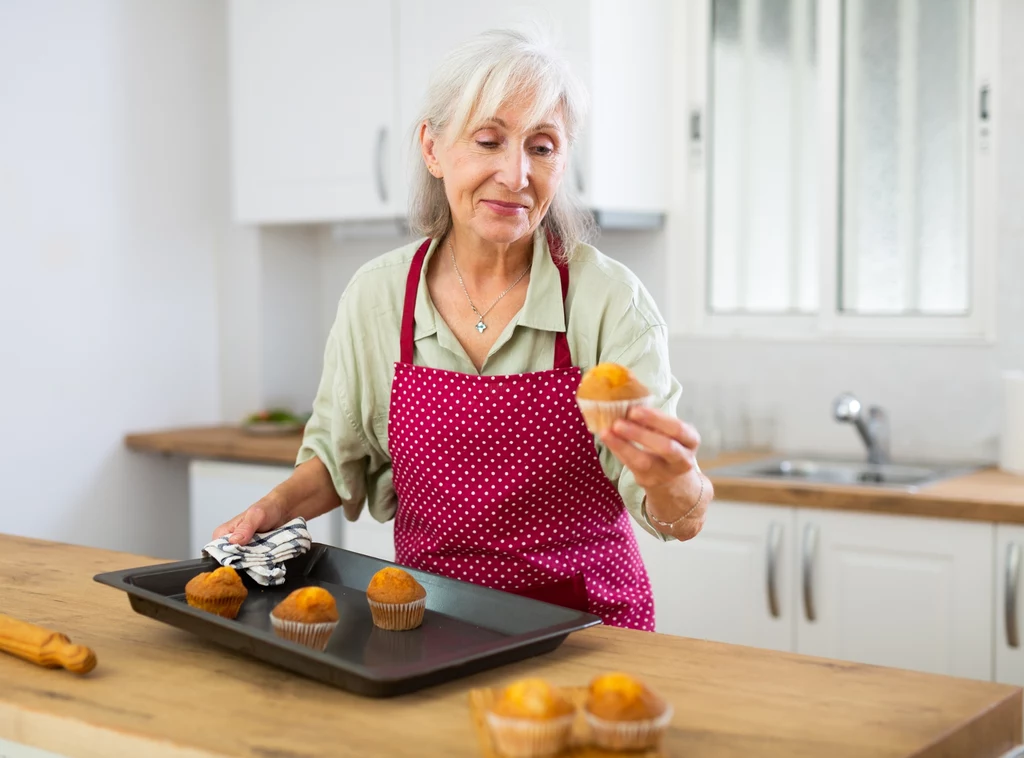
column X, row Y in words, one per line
column 543, row 308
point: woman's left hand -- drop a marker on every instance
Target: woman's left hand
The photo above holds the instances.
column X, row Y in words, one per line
column 661, row 451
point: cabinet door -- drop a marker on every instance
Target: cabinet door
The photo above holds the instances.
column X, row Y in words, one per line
column 426, row 35
column 312, row 95
column 732, row 582
column 1009, row 633
column 908, row 592
column 218, row 491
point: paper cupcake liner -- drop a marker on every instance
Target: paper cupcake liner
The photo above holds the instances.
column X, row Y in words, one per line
column 601, row 414
column 228, row 607
column 398, row 617
column 529, row 738
column 315, row 636
column 628, row 735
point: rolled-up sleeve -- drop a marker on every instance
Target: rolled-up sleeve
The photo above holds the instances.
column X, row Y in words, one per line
column 337, row 433
column 646, row 354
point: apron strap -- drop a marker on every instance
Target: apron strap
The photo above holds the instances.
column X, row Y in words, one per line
column 563, row 357
column 412, row 285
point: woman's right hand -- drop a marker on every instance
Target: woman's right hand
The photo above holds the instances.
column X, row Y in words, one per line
column 265, row 514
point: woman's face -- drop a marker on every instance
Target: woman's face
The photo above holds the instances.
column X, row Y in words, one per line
column 501, row 175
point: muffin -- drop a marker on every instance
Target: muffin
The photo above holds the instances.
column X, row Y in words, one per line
column 307, row 616
column 397, row 601
column 606, row 393
column 219, row 591
column 531, row 719
column 624, row 715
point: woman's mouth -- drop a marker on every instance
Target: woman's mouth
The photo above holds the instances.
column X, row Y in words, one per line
column 504, row 209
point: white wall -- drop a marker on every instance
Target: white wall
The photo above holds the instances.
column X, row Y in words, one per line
column 113, row 203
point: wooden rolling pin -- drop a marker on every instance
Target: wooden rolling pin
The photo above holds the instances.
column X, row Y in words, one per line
column 44, row 647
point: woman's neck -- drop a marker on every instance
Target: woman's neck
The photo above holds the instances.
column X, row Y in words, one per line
column 480, row 260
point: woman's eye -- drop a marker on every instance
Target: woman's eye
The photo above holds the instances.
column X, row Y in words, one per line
column 487, row 144
column 542, row 150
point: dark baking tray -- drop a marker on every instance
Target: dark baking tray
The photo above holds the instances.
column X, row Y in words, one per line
column 466, row 629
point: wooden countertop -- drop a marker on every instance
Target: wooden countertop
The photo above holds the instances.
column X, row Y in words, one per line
column 160, row 692
column 986, row 495
column 226, row 443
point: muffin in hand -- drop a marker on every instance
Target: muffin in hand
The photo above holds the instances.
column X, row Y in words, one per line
column 219, row 591
column 606, row 393
column 307, row 616
column 531, row 719
column 397, row 601
column 624, row 715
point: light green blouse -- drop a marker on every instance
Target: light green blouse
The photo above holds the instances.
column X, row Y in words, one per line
column 611, row 318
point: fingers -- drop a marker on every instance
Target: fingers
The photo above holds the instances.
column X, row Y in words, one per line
column 241, row 528
column 250, row 522
column 661, row 422
column 680, row 459
column 226, row 528
column 648, row 469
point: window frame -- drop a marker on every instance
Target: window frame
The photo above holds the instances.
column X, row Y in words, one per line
column 687, row 223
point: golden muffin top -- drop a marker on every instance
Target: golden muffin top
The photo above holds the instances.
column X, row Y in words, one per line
column 221, row 582
column 610, row 381
column 532, row 699
column 619, row 697
column 393, row 585
column 309, row 605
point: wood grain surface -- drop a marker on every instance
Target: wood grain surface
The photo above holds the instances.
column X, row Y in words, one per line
column 160, row 692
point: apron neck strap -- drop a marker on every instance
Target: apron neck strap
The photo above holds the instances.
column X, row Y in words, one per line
column 563, row 358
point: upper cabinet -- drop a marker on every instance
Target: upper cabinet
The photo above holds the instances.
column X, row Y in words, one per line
column 312, row 87
column 326, row 93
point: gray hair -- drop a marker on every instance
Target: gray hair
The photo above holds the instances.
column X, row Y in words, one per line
column 476, row 79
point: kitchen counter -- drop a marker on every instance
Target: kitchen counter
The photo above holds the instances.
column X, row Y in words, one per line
column 986, row 495
column 161, row 692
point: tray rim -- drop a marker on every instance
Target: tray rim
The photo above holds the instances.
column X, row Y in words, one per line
column 119, row 579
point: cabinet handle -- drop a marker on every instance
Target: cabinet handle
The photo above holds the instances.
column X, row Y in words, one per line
column 774, row 543
column 810, row 548
column 382, row 139
column 1012, row 579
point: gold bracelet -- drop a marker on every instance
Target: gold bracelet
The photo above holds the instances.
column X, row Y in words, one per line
column 685, row 515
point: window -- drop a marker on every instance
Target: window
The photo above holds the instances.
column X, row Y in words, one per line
column 840, row 167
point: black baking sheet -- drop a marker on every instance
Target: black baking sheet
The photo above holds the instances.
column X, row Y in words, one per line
column 466, row 628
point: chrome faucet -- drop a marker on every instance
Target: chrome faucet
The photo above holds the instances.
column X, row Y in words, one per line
column 873, row 427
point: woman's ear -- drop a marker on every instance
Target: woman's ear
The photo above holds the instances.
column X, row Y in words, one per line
column 428, row 145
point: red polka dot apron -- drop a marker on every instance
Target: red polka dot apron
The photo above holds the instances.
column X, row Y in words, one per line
column 499, row 484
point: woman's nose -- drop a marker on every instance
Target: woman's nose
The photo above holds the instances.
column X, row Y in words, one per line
column 514, row 172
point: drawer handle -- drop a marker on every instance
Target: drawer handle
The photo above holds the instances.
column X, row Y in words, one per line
column 1012, row 580
column 774, row 543
column 810, row 549
column 382, row 188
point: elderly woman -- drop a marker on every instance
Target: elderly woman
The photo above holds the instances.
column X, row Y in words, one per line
column 447, row 396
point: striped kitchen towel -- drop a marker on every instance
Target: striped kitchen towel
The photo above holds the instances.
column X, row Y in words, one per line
column 263, row 558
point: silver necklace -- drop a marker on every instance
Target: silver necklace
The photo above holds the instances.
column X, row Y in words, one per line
column 480, row 325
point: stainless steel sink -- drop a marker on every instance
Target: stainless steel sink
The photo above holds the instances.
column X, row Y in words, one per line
column 842, row 472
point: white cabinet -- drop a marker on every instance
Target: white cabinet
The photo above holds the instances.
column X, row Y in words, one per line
column 218, row 491
column 312, row 86
column 733, row 583
column 620, row 51
column 325, row 93
column 369, row 537
column 1009, row 633
column 908, row 592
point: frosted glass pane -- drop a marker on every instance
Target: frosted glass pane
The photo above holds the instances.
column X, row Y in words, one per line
column 763, row 210
column 904, row 206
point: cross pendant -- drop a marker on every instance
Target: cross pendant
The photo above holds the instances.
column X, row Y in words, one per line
column 480, row 326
